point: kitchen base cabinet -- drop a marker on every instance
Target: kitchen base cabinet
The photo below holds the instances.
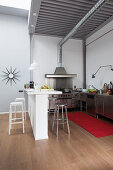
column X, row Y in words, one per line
column 108, row 106
column 83, row 102
column 96, row 104
column 100, row 105
column 104, row 105
column 91, row 104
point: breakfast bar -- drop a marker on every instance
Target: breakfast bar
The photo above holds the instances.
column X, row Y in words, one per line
column 38, row 111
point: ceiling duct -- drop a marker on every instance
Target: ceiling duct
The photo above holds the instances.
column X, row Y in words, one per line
column 74, row 30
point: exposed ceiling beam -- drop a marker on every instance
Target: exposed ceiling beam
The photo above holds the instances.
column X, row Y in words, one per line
column 68, row 2
column 49, row 23
column 54, row 35
column 68, row 12
column 58, row 17
column 61, row 13
column 54, row 29
column 53, row 32
column 49, row 20
column 65, row 6
column 70, row 8
column 63, row 27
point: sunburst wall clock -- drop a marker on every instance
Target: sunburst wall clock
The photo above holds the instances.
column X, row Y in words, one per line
column 10, row 75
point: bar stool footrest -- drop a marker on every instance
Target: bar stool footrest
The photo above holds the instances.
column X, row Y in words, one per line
column 61, row 119
column 60, row 123
column 16, row 122
column 16, row 119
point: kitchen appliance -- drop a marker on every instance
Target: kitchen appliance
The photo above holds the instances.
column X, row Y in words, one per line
column 31, row 84
column 71, row 99
column 60, row 72
column 60, row 78
column 65, row 90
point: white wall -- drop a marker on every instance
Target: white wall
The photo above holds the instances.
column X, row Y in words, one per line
column 73, row 60
column 15, row 52
column 100, row 53
column 44, row 51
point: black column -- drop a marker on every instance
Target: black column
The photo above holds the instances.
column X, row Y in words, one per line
column 84, row 64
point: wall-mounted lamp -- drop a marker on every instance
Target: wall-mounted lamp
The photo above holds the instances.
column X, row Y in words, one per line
column 111, row 68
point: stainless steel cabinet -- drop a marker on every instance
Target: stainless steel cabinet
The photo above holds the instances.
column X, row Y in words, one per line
column 91, row 104
column 83, row 101
column 71, row 102
column 100, row 104
column 104, row 105
column 108, row 106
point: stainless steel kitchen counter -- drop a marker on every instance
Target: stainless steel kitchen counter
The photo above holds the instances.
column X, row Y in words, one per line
column 99, row 104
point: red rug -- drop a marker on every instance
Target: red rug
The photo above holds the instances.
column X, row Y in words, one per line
column 94, row 126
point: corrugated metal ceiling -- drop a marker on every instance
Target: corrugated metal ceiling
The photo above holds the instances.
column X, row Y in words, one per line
column 58, row 17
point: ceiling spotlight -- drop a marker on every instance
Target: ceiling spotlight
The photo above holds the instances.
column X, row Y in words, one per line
column 32, row 25
column 34, row 14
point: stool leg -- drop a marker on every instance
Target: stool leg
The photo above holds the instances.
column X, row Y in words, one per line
column 23, row 118
column 15, row 111
column 57, row 120
column 10, row 117
column 25, row 109
column 63, row 117
column 49, row 111
column 67, row 120
column 54, row 118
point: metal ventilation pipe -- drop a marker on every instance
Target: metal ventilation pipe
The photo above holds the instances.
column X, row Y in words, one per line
column 59, row 55
column 73, row 31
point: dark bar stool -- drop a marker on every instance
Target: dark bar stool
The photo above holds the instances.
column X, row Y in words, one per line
column 62, row 120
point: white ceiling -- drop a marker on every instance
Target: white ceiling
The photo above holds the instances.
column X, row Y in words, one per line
column 15, row 7
column 21, row 4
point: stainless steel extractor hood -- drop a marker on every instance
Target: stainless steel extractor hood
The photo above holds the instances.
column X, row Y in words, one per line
column 60, row 72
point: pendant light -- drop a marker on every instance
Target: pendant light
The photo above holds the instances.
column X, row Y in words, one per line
column 34, row 66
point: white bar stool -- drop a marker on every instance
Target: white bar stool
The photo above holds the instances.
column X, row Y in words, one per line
column 24, row 106
column 13, row 120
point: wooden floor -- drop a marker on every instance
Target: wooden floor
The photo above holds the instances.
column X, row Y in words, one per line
column 82, row 151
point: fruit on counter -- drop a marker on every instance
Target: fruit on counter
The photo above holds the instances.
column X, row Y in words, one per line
column 92, row 90
column 45, row 87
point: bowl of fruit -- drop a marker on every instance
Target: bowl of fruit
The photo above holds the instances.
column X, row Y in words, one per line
column 46, row 87
column 92, row 91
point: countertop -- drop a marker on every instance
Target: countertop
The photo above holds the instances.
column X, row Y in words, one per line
column 104, row 94
column 42, row 92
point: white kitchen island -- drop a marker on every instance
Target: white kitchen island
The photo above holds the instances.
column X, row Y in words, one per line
column 38, row 111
